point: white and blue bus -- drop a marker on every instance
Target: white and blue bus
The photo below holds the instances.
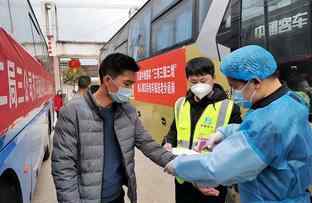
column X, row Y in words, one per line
column 26, row 108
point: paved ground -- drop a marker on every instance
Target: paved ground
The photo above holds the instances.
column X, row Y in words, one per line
column 45, row 192
column 153, row 185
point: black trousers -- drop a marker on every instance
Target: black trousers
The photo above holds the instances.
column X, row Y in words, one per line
column 187, row 193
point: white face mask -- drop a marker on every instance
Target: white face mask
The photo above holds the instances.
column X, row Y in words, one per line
column 201, row 90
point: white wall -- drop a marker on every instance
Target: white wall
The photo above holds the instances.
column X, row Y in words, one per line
column 78, row 49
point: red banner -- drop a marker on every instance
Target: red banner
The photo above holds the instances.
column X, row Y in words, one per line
column 161, row 79
column 25, row 84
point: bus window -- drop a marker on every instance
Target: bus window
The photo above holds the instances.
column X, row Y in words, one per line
column 120, row 40
column 107, row 49
column 37, row 40
column 122, row 48
column 21, row 25
column 174, row 27
column 32, row 49
column 204, row 6
column 277, row 4
column 289, row 24
column 39, row 46
column 139, row 35
column 160, row 5
column 253, row 26
column 228, row 32
column 183, row 25
column 5, row 19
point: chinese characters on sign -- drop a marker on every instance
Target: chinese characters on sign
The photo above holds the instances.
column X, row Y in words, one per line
column 161, row 87
column 161, row 79
column 21, row 90
column 25, row 84
column 22, row 86
column 283, row 25
column 12, row 85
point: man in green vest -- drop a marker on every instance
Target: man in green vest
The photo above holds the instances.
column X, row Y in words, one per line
column 197, row 115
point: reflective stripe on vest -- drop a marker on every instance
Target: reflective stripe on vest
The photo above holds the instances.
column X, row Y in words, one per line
column 214, row 116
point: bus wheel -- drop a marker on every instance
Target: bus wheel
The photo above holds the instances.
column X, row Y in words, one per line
column 8, row 191
column 46, row 154
column 50, row 124
column 47, row 148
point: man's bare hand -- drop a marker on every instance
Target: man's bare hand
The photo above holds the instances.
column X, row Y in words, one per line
column 168, row 147
column 208, row 191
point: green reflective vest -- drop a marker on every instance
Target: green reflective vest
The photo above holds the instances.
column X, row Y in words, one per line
column 214, row 116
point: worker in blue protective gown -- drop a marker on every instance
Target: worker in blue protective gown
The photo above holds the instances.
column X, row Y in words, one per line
column 270, row 153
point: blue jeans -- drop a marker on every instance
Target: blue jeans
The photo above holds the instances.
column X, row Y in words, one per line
column 120, row 199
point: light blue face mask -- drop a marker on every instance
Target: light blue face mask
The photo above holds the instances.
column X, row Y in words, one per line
column 122, row 95
column 239, row 99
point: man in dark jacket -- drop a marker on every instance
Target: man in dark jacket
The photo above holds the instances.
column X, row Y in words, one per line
column 95, row 138
column 204, row 93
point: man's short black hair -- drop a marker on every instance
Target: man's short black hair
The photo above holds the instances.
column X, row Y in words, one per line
column 116, row 64
column 84, row 81
column 200, row 66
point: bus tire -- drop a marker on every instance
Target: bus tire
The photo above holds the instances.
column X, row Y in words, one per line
column 9, row 191
column 47, row 148
column 50, row 124
column 46, row 153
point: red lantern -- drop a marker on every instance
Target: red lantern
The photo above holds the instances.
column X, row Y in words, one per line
column 74, row 64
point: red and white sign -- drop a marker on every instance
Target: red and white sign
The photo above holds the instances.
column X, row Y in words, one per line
column 161, row 79
column 25, row 84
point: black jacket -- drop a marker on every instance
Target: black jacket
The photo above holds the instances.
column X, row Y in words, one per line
column 197, row 108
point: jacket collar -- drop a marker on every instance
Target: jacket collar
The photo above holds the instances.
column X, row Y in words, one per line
column 117, row 108
column 271, row 98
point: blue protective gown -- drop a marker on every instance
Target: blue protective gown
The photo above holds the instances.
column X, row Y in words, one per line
column 269, row 155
